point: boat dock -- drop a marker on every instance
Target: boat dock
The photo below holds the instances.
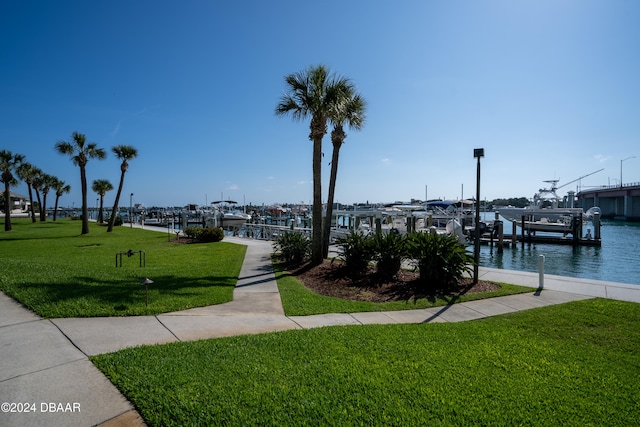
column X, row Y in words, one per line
column 511, row 241
column 539, row 232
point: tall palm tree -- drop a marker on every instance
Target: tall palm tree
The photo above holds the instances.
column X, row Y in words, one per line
column 350, row 111
column 48, row 181
column 61, row 187
column 9, row 163
column 124, row 153
column 80, row 152
column 312, row 93
column 37, row 184
column 28, row 172
column 101, row 186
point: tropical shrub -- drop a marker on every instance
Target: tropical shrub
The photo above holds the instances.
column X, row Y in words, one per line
column 441, row 259
column 357, row 251
column 208, row 235
column 192, row 232
column 390, row 250
column 294, row 248
column 204, row 235
column 118, row 220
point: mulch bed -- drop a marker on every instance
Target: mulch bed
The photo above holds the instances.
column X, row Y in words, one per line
column 331, row 279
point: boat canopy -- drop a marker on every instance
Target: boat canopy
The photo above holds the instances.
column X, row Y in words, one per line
column 442, row 204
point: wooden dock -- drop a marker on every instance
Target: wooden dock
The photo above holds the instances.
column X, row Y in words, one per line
column 555, row 240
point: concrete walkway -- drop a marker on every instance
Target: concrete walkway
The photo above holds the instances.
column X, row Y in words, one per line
column 44, row 363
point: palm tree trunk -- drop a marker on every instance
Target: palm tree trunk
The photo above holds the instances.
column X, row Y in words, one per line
column 326, row 229
column 85, row 210
column 316, row 242
column 100, row 217
column 55, row 208
column 39, row 203
column 31, row 208
column 7, row 206
column 115, row 204
column 43, row 208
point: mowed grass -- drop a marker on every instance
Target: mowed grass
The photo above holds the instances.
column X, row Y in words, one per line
column 574, row 364
column 57, row 272
column 299, row 300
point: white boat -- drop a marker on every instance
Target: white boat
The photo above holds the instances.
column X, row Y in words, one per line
column 544, row 214
column 225, row 217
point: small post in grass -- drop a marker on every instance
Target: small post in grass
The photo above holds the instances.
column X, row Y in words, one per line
column 540, row 272
column 146, row 288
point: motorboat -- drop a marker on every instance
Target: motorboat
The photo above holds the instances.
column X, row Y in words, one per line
column 544, row 213
column 225, row 217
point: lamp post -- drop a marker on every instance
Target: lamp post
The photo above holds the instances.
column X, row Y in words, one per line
column 146, row 282
column 131, row 211
column 477, row 153
column 632, row 157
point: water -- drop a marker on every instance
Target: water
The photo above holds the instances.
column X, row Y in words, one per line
column 617, row 260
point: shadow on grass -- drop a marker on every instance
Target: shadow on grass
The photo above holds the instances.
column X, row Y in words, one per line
column 111, row 291
column 88, row 297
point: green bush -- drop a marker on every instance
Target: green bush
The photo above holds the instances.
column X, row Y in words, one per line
column 208, row 235
column 205, row 235
column 390, row 250
column 117, row 222
column 357, row 251
column 193, row 232
column 441, row 259
column 294, row 248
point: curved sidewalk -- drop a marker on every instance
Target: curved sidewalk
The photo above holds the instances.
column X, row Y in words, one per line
column 45, row 362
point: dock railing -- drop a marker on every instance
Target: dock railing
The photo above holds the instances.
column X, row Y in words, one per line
column 268, row 231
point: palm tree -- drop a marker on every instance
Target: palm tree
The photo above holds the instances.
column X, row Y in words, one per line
column 101, row 186
column 350, row 111
column 124, row 153
column 9, row 163
column 28, row 172
column 48, row 181
column 37, row 184
column 312, row 93
column 61, row 187
column 80, row 152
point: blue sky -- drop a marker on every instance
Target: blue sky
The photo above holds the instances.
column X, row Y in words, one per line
column 550, row 90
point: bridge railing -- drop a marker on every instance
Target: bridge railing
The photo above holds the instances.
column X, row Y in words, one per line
column 611, row 187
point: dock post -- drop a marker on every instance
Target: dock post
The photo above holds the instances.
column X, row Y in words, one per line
column 576, row 230
column 596, row 225
column 514, row 236
column 491, row 237
column 541, row 272
column 522, row 227
column 500, row 226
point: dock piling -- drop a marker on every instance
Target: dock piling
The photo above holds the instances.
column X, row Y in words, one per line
column 541, row 272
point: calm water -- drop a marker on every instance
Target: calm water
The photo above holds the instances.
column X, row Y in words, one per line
column 617, row 260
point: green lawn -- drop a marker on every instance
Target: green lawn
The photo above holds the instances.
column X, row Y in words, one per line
column 52, row 269
column 298, row 300
column 574, row 364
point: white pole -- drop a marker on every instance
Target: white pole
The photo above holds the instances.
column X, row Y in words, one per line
column 541, row 272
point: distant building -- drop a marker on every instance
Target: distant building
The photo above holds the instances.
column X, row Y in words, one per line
column 18, row 202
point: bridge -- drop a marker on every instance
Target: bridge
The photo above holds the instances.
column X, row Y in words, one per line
column 616, row 201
